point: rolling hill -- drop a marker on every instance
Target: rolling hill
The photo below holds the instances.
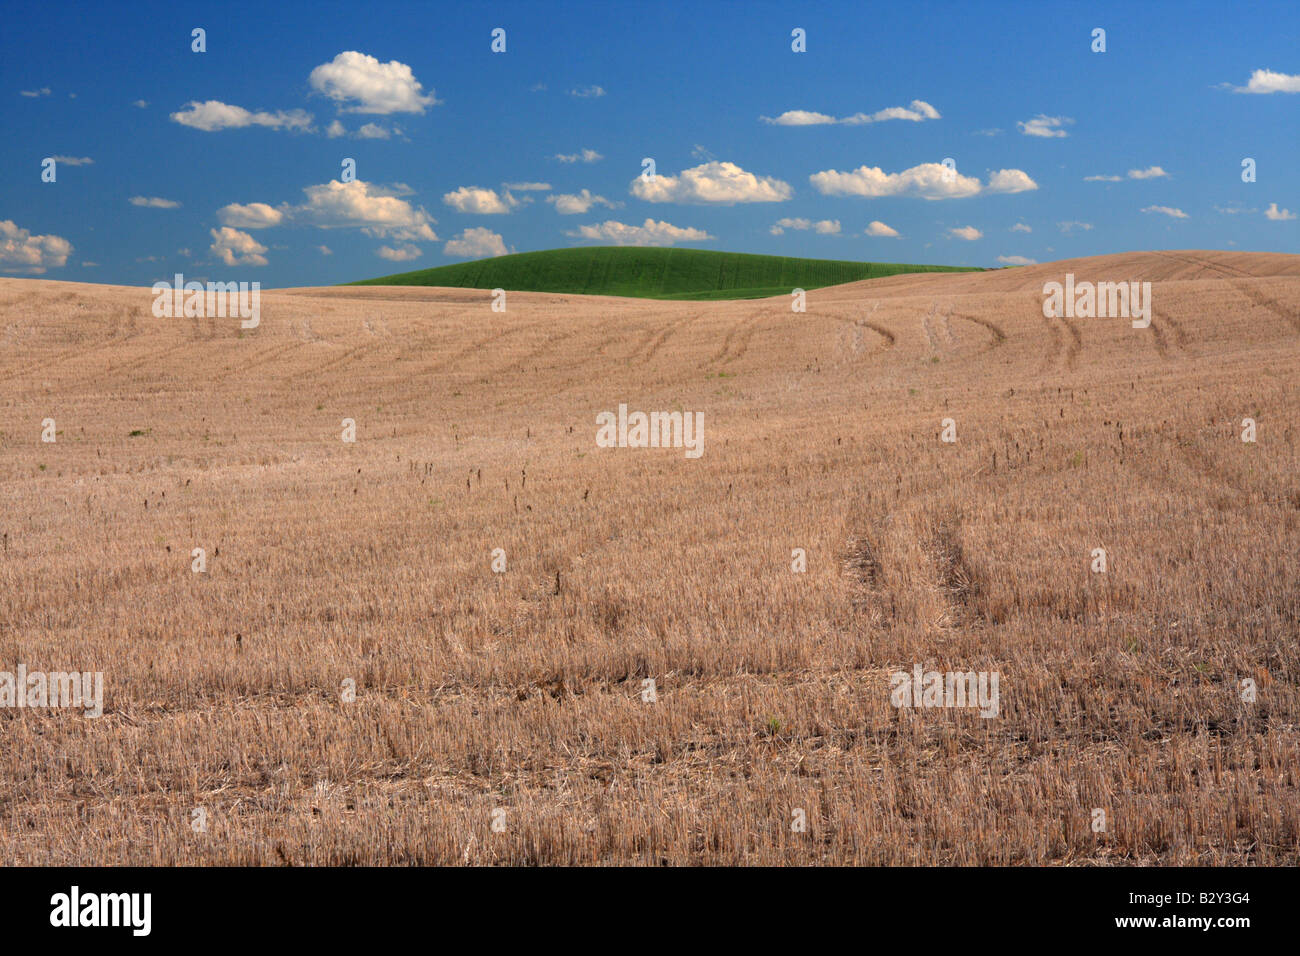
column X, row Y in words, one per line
column 771, row 590
column 652, row 273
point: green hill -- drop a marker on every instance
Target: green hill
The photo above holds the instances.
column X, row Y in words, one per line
column 651, row 273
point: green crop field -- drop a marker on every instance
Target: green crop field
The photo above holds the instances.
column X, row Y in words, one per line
column 652, row 273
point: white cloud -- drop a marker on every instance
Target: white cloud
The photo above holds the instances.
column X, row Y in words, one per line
column 379, row 213
column 1021, row 227
column 153, row 202
column 374, row 131
column 827, row 227
column 43, row 91
column 527, row 187
column 1233, row 209
column 255, row 215
column 476, row 244
column 1016, row 261
column 1047, row 126
column 715, row 182
column 325, row 250
column 1277, row 215
column 994, row 131
column 143, row 104
column 73, row 160
column 1266, row 81
column 335, row 130
column 214, row 115
column 918, row 111
column 1010, row 181
column 1151, row 172
column 568, row 204
column 474, row 200
column 587, row 92
column 1166, row 211
column 1070, row 226
column 400, row 254
column 586, row 156
column 880, row 230
column 969, row 233
column 237, row 248
column 649, row 233
column 20, row 251
column 368, row 86
column 800, row 118
column 927, row 181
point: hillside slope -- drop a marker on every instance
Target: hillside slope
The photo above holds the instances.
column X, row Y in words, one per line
column 372, row 561
column 650, row 273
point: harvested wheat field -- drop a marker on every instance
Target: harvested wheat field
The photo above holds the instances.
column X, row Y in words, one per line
column 505, row 718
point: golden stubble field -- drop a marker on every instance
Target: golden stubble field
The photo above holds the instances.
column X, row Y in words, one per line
column 518, row 697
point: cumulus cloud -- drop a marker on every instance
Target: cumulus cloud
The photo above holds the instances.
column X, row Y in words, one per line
column 880, row 230
column 476, row 244
column 1010, row 181
column 800, row 118
column 927, row 181
column 20, row 251
column 1166, row 211
column 361, row 84
column 649, row 233
column 587, row 92
column 335, row 130
column 585, row 156
column 969, row 233
column 569, row 204
column 527, row 187
column 214, row 115
column 477, row 201
column 255, row 215
column 143, row 104
column 375, row 210
column 716, row 183
column 1070, row 226
column 325, row 250
column 154, row 202
column 399, row 254
column 1278, row 215
column 1046, row 126
column 827, row 227
column 1151, row 172
column 1016, row 261
column 1266, row 81
column 237, row 248
column 43, row 91
column 918, row 111
column 1021, row 227
column 374, row 131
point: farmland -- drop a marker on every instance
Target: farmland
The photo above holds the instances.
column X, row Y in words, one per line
column 648, row 678
column 687, row 274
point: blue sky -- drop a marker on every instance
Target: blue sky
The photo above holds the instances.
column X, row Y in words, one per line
column 228, row 163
